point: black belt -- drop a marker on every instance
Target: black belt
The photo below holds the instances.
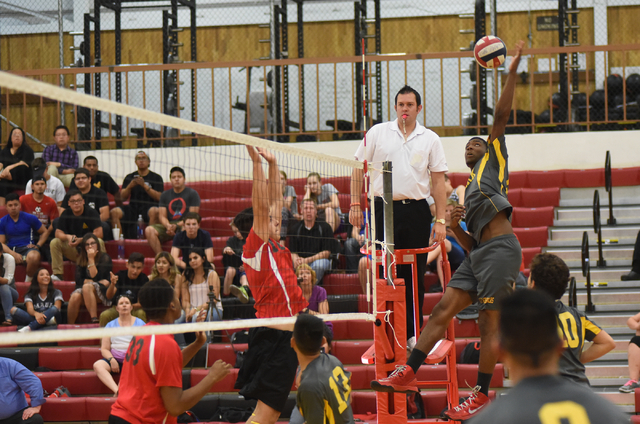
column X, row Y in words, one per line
column 403, row 201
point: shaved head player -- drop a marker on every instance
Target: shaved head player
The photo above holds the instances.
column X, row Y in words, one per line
column 493, row 263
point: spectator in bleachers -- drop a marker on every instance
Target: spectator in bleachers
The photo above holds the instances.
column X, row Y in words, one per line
column 456, row 194
column 326, row 196
column 61, row 159
column 174, row 203
column 235, row 279
column 455, row 252
column 314, row 294
column 126, row 282
column 43, row 304
column 43, row 207
column 94, row 197
column 633, row 356
column 74, row 223
column 165, row 268
column 15, row 164
column 17, row 234
column 550, row 275
column 198, row 277
column 114, row 349
column 353, row 244
column 290, row 206
column 100, row 179
column 53, row 188
column 15, row 381
column 634, row 274
column 93, row 275
column 8, row 293
column 311, row 241
column 193, row 236
column 143, row 189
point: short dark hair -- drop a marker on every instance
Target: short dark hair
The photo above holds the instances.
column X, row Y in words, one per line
column 308, row 332
column 192, row 215
column 155, row 297
column 38, row 163
column 136, row 257
column 550, row 274
column 82, row 171
column 528, row 325
column 313, row 199
column 408, row 90
column 74, row 192
column 11, row 197
column 177, row 168
column 244, row 221
column 84, row 161
column 61, row 127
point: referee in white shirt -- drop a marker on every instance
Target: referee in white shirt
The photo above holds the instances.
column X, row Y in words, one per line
column 415, row 152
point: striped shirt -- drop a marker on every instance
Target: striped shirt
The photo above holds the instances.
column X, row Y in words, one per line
column 68, row 157
column 274, row 285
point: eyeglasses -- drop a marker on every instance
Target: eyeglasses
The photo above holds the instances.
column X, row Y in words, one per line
column 76, row 201
column 81, row 178
column 91, row 243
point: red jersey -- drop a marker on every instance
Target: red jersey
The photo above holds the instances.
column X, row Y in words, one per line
column 151, row 362
column 46, row 211
column 273, row 282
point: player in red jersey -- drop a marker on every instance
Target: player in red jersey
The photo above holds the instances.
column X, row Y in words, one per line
column 150, row 388
column 270, row 364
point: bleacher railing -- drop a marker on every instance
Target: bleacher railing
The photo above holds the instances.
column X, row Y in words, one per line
column 329, row 95
column 586, row 272
column 608, row 186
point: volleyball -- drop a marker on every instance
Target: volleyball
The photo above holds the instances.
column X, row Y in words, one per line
column 490, row 52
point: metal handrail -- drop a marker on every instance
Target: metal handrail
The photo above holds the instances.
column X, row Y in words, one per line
column 597, row 228
column 608, row 186
column 586, row 272
column 573, row 292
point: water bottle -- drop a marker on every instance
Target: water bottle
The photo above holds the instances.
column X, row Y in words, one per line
column 121, row 247
column 140, row 227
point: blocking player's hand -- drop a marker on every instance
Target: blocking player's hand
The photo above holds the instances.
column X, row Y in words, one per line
column 456, row 215
column 355, row 216
column 513, row 66
column 266, row 154
column 219, row 370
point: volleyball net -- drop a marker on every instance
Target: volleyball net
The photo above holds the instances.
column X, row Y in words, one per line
column 222, row 174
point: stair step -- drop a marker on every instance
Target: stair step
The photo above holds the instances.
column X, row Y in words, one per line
column 621, row 232
column 627, row 195
column 585, row 215
column 609, row 251
column 601, row 274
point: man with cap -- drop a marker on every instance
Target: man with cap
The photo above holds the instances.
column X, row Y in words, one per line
column 42, row 206
column 54, row 187
column 17, row 235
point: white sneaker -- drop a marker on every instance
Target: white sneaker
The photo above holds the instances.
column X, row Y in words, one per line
column 52, row 321
column 55, row 278
column 27, row 279
column 25, row 329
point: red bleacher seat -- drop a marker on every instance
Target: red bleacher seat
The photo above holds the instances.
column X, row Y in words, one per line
column 345, row 201
column 22, row 289
column 517, row 179
column 50, row 380
column 214, row 189
column 223, row 206
column 225, row 352
column 528, row 253
column 99, row 408
column 342, row 184
column 463, row 327
column 217, row 226
column 532, row 237
column 78, row 326
column 545, row 179
column 533, row 217
column 226, row 385
column 89, row 355
column 625, row 177
column 59, row 359
column 584, row 178
column 467, row 373
column 85, row 383
column 134, row 245
column 219, row 244
column 363, row 402
column 64, row 409
column 515, row 196
column 349, row 352
column 66, row 287
column 336, row 284
column 361, row 376
column 458, row 178
column 430, row 300
column 539, row 197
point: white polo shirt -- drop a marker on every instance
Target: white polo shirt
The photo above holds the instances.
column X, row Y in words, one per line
column 412, row 159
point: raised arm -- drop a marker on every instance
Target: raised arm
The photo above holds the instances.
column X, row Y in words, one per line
column 259, row 199
column 355, row 210
column 503, row 108
column 276, row 199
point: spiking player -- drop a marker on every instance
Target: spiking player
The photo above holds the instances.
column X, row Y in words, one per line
column 270, row 364
column 492, row 266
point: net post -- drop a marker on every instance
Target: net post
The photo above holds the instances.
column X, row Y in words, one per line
column 387, row 195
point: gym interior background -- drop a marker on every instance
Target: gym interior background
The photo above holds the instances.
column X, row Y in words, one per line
column 291, row 70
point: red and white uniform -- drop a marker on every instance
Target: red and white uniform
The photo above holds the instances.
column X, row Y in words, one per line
column 273, row 282
column 151, row 362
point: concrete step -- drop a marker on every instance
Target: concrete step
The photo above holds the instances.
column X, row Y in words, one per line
column 629, row 214
column 611, row 284
column 628, row 195
column 609, row 251
column 607, row 274
column 624, row 234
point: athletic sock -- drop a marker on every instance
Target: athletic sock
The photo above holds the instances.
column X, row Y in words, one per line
column 484, row 380
column 416, row 359
column 27, row 279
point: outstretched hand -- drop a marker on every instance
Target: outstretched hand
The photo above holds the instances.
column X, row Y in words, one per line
column 513, row 66
column 253, row 153
column 266, row 154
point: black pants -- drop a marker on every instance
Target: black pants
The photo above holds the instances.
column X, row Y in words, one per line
column 411, row 228
column 635, row 263
column 17, row 419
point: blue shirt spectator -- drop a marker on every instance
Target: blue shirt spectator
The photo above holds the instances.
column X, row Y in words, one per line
column 21, row 232
column 15, row 380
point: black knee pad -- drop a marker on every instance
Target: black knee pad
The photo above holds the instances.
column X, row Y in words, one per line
column 635, row 340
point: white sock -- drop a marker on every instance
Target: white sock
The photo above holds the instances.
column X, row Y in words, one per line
column 27, row 279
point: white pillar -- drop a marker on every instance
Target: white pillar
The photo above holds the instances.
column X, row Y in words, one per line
column 600, row 38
